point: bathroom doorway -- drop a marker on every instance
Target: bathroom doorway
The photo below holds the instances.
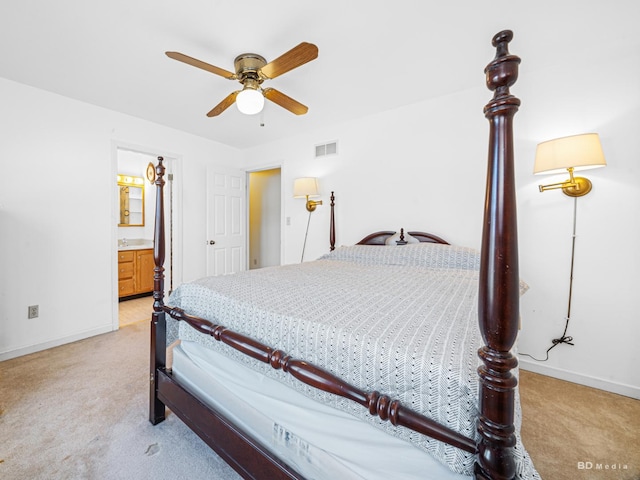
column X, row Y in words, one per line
column 133, row 257
column 265, row 218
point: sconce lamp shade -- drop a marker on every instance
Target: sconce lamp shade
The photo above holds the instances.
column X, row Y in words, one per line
column 305, row 187
column 579, row 152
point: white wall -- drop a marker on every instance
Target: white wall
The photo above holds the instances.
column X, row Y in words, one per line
column 393, row 170
column 57, row 214
column 423, row 167
column 600, row 94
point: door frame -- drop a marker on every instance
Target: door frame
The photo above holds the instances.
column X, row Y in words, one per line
column 282, row 209
column 173, row 259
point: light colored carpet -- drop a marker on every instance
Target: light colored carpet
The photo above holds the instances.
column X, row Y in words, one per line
column 567, row 426
column 79, row 411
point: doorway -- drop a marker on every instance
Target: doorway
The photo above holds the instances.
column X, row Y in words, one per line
column 265, row 197
column 133, row 245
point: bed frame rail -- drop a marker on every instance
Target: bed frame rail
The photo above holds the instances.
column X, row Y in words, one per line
column 321, row 379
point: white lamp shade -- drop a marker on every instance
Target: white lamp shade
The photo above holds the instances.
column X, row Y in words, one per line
column 578, row 151
column 250, row 101
column 306, row 186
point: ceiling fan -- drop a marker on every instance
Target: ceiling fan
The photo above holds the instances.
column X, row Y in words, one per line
column 251, row 70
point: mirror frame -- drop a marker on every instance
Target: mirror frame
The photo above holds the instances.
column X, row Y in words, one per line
column 135, row 182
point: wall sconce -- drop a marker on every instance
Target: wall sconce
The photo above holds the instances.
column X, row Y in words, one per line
column 577, row 152
column 307, row 187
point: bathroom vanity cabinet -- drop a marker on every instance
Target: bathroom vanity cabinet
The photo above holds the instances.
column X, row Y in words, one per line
column 135, row 272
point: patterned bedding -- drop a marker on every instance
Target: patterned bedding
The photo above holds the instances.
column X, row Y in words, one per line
column 400, row 320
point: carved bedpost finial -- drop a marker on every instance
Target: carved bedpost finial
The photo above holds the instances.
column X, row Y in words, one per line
column 402, row 241
column 502, row 72
column 501, row 42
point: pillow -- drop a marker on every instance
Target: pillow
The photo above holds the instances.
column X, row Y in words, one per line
column 393, row 239
column 422, row 254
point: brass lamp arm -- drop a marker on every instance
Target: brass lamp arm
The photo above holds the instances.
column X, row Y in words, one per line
column 553, row 186
column 574, row 187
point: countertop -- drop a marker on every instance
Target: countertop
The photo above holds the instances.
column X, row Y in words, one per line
column 135, row 245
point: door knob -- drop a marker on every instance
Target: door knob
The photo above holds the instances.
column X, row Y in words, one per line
column 212, row 242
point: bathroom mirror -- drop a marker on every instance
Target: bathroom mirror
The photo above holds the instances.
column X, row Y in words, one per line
column 131, row 194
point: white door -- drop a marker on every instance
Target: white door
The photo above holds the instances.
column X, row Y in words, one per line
column 226, row 224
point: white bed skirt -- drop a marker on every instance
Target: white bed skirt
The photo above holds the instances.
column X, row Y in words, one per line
column 318, row 441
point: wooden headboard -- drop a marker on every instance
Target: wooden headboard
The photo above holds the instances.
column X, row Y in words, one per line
column 380, row 238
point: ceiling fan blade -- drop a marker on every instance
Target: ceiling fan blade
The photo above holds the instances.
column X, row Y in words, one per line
column 284, row 101
column 200, row 64
column 303, row 53
column 223, row 105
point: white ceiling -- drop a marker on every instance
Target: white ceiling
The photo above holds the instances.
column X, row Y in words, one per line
column 374, row 55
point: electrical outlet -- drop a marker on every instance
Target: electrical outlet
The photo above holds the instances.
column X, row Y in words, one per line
column 33, row 311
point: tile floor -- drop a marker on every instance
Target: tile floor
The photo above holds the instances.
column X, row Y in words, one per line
column 136, row 310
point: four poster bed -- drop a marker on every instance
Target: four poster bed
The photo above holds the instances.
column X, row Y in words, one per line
column 390, row 358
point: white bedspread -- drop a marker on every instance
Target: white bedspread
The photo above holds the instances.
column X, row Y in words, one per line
column 399, row 320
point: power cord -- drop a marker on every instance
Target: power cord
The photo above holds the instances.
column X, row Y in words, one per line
column 304, row 245
column 556, row 341
column 564, row 338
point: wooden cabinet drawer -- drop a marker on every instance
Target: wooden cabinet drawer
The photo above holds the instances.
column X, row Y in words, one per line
column 126, row 256
column 125, row 270
column 125, row 287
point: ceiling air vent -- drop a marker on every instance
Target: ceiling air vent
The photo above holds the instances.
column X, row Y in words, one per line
column 327, row 149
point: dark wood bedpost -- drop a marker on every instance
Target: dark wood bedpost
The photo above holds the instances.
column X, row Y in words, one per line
column 158, row 319
column 499, row 294
column 332, row 225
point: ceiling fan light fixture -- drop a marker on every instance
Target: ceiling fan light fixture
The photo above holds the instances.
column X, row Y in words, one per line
column 251, row 70
column 250, row 101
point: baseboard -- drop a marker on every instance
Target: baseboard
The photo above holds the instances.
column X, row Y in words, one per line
column 19, row 352
column 594, row 382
